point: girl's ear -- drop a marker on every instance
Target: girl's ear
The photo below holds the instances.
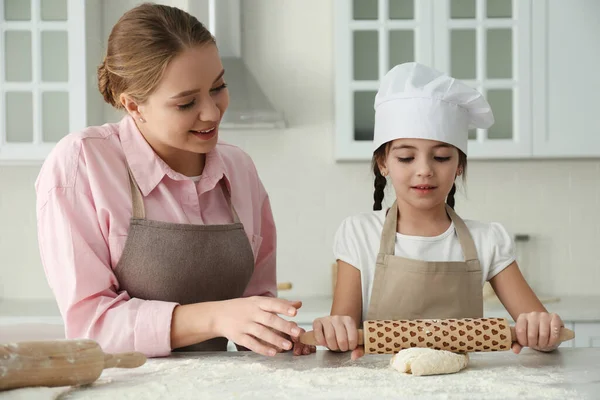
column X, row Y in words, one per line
column 382, row 168
column 459, row 171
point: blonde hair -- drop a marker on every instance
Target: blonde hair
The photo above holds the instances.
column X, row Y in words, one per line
column 141, row 45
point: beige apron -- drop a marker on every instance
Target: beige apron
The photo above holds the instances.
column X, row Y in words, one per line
column 185, row 263
column 412, row 289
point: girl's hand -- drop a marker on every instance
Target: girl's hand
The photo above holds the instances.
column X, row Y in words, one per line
column 538, row 330
column 338, row 333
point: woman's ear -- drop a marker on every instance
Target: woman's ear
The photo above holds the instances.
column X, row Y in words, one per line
column 459, row 171
column 131, row 107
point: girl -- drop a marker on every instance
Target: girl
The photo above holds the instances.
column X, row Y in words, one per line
column 153, row 234
column 419, row 259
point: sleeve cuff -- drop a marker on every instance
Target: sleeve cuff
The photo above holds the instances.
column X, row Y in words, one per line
column 153, row 328
column 499, row 268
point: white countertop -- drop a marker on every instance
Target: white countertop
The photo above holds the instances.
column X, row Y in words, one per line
column 564, row 374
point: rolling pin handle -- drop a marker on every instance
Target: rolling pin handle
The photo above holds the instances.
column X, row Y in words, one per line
column 309, row 338
column 124, row 360
column 565, row 335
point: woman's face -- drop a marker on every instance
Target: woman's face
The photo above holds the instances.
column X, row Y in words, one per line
column 184, row 111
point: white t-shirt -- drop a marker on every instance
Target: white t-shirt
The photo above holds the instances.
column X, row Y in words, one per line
column 358, row 237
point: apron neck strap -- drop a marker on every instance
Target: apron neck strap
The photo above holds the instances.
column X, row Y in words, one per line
column 388, row 236
column 137, row 200
column 227, row 194
column 464, row 236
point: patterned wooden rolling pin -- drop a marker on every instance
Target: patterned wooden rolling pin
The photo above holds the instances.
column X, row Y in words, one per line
column 456, row 335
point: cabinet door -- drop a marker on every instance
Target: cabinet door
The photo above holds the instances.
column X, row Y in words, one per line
column 486, row 43
column 371, row 36
column 42, row 75
column 587, row 334
column 566, row 79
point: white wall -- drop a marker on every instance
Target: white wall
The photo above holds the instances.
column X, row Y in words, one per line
column 288, row 46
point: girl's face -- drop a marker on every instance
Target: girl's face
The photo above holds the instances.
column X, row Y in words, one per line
column 422, row 171
column 184, row 112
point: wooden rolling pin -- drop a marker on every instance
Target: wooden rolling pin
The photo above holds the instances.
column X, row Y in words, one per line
column 456, row 335
column 284, row 286
column 58, row 363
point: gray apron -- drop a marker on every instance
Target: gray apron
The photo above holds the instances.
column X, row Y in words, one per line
column 185, row 263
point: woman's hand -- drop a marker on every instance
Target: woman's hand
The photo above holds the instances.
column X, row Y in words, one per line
column 254, row 323
column 538, row 330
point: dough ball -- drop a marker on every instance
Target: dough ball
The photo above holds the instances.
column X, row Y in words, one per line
column 423, row 361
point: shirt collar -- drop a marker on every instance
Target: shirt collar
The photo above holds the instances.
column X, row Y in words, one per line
column 149, row 169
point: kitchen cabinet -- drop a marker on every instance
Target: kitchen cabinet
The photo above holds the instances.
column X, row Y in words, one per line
column 43, row 69
column 522, row 55
column 565, row 81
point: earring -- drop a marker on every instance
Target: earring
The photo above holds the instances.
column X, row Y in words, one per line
column 142, row 120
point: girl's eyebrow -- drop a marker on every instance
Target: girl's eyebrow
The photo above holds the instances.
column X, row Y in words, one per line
column 405, row 146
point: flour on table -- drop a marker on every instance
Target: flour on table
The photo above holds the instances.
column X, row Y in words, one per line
column 423, row 361
column 244, row 378
column 34, row 393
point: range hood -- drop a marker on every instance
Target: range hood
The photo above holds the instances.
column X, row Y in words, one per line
column 249, row 107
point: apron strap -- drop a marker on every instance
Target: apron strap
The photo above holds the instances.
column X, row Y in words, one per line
column 236, row 218
column 137, row 200
column 464, row 236
column 388, row 235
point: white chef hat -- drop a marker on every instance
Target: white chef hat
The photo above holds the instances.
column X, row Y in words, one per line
column 418, row 102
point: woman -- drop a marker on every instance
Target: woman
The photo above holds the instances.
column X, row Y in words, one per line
column 153, row 234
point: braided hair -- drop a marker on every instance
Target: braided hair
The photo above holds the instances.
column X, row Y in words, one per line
column 380, row 180
column 462, row 164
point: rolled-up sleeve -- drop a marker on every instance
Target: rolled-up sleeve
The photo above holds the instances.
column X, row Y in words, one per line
column 76, row 259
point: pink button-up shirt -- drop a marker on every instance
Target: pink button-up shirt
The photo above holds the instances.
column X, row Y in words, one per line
column 83, row 212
